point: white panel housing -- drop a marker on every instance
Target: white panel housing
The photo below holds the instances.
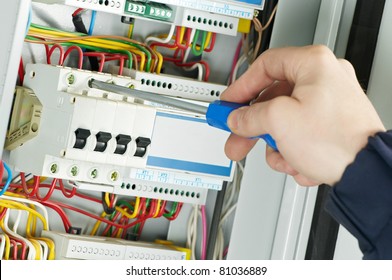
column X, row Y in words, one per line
column 183, row 149
column 70, row 246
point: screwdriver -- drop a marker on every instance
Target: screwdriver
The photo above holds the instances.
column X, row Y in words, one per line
column 216, row 113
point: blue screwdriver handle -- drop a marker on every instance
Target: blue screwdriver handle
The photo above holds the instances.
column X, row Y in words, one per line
column 218, row 112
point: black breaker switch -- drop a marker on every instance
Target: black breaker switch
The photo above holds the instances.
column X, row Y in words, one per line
column 122, row 143
column 141, row 146
column 81, row 138
column 102, row 141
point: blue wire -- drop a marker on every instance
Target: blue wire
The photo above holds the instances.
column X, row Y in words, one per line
column 29, row 18
column 9, row 178
column 92, row 22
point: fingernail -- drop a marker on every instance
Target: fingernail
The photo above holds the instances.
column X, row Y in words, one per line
column 232, row 121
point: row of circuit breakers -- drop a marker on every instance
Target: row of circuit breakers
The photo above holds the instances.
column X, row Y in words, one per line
column 110, row 142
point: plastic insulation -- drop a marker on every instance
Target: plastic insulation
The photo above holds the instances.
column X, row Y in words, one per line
column 204, row 230
column 203, row 42
column 92, row 22
column 214, row 229
column 9, row 178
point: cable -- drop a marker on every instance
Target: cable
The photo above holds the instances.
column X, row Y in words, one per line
column 162, row 41
column 92, row 22
column 215, row 222
column 204, row 230
column 9, row 177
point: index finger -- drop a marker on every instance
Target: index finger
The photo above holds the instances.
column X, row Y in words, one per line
column 283, row 64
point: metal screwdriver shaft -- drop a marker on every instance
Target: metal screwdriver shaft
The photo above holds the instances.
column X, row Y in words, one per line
column 152, row 97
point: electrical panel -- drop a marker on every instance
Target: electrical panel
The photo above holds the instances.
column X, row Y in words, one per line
column 113, row 173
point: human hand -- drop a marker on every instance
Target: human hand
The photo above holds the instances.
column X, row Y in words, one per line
column 311, row 104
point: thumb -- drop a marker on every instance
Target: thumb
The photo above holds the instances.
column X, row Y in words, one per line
column 269, row 117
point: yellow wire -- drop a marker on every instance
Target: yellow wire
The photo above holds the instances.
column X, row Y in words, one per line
column 130, row 30
column 86, row 40
column 7, row 245
column 158, row 208
column 208, row 40
column 51, row 246
column 107, row 199
column 182, row 33
column 119, row 232
column 37, row 248
column 31, row 223
column 97, row 224
column 16, row 205
column 135, row 210
column 160, row 63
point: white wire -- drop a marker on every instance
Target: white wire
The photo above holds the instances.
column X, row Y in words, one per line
column 192, row 234
column 28, row 201
column 17, row 221
column 45, row 250
column 159, row 40
column 32, row 252
column 200, row 69
column 239, row 63
column 2, row 245
column 227, row 214
column 188, row 50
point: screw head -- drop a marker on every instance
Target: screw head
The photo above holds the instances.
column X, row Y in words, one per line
column 53, row 168
column 70, row 79
column 74, row 170
column 94, row 173
column 114, row 175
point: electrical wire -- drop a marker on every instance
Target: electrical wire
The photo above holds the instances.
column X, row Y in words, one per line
column 9, row 176
column 92, row 22
column 204, row 230
column 159, row 40
column 149, row 59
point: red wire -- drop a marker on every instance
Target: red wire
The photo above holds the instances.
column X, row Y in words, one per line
column 24, row 247
column 108, row 227
column 97, row 54
column 77, row 11
column 122, row 221
column 80, row 52
column 71, row 193
column 52, row 49
column 15, row 249
column 175, row 215
column 162, row 210
column 212, row 44
column 21, row 71
column 2, row 214
column 60, row 211
column 151, row 212
column 25, row 187
column 49, row 193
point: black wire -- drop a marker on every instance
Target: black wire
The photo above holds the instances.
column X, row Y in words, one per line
column 215, row 222
column 81, row 28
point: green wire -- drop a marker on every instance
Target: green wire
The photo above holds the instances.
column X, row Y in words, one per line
column 172, row 211
column 203, row 42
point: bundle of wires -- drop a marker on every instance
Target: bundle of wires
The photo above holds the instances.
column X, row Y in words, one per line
column 120, row 216
column 29, row 247
column 183, row 43
column 148, row 59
